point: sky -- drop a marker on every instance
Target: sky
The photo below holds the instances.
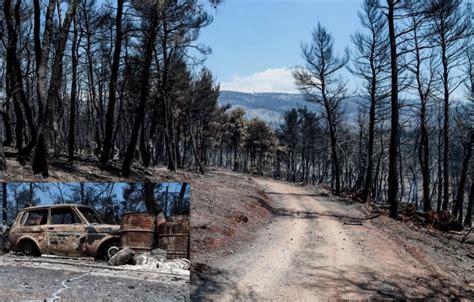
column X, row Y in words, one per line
column 52, row 190
column 256, row 43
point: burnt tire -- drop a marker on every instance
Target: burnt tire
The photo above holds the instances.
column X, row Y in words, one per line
column 104, row 250
column 122, row 257
column 29, row 248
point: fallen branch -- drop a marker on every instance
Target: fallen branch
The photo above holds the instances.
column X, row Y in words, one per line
column 373, row 217
column 465, row 236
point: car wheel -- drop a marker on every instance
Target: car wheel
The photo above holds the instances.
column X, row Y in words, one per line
column 108, row 250
column 28, row 248
column 112, row 251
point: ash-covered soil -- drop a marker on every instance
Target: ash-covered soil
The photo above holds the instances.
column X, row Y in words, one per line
column 43, row 279
column 442, row 252
column 226, row 210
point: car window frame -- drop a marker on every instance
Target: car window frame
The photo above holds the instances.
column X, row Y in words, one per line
column 26, row 213
column 50, row 218
column 98, row 218
column 18, row 219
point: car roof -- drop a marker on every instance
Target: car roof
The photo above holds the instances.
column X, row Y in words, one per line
column 52, row 206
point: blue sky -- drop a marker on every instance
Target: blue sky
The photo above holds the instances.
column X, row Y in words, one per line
column 51, row 191
column 256, row 43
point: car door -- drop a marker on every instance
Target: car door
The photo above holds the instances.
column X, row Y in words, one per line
column 32, row 224
column 66, row 232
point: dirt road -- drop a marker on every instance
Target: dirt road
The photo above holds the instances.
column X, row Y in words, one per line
column 319, row 247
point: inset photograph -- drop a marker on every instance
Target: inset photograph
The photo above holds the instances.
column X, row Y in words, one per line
column 66, row 240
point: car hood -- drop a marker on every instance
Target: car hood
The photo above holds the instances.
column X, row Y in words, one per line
column 104, row 228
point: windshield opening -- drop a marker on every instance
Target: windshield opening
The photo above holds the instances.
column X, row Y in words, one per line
column 90, row 215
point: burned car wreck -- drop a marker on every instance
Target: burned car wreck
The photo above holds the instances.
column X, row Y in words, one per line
column 64, row 230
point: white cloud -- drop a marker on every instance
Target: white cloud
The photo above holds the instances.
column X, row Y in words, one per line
column 270, row 80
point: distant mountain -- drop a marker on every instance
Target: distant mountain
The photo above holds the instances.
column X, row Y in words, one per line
column 271, row 106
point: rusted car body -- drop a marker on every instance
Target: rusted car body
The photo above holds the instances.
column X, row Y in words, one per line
column 66, row 230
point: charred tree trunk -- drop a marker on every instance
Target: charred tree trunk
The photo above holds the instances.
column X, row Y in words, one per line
column 182, row 192
column 41, row 156
column 72, row 113
column 145, row 149
column 109, row 116
column 395, row 130
column 6, row 123
column 20, row 122
column 164, row 91
column 236, row 161
column 335, row 158
column 140, row 116
column 42, row 53
column 149, row 197
column 424, row 94
column 168, row 135
column 370, row 145
column 15, row 79
column 445, row 128
column 424, row 157
column 195, row 152
column 440, row 170
column 458, row 206
column 468, row 219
